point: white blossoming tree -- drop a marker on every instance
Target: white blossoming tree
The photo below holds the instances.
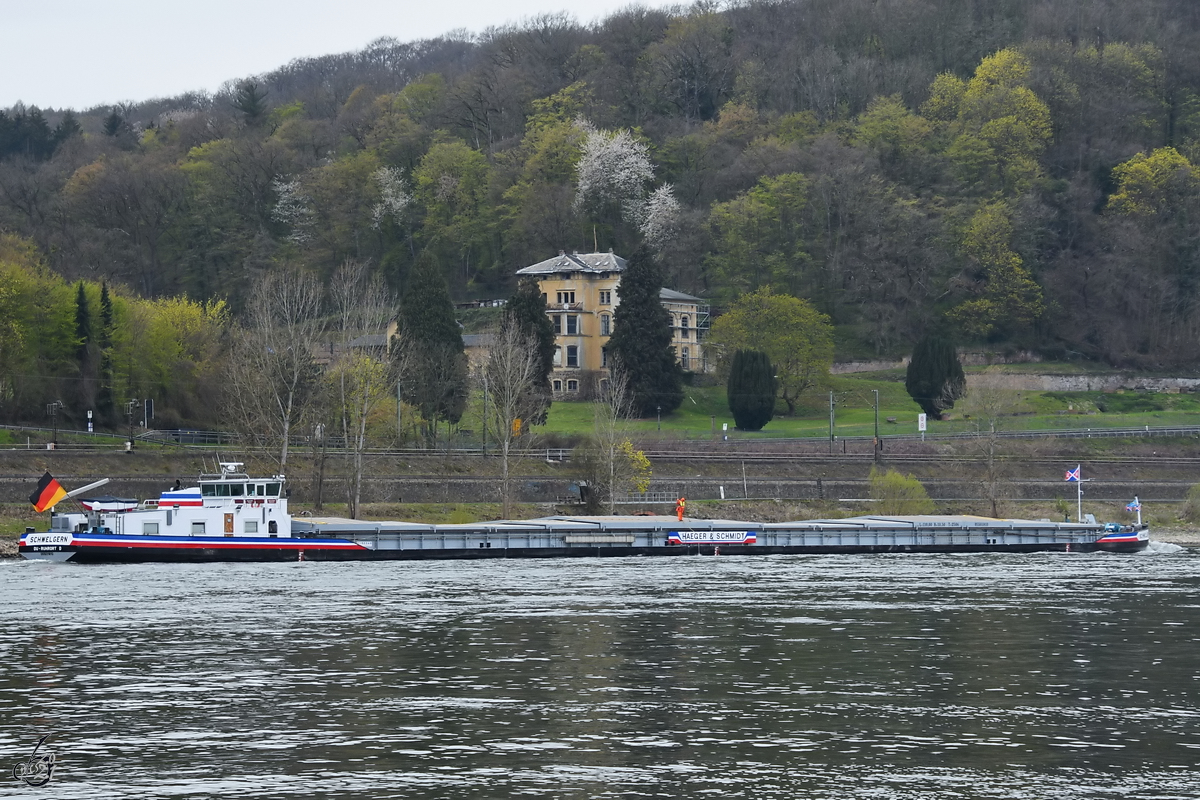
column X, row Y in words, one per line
column 394, row 197
column 661, row 218
column 613, row 169
column 293, row 209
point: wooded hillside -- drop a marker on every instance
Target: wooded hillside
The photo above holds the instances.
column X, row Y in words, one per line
column 1020, row 173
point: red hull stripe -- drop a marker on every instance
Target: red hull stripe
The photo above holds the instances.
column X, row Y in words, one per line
column 220, row 544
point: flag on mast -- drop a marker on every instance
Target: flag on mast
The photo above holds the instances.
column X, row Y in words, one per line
column 1135, row 505
column 1073, row 474
column 47, row 494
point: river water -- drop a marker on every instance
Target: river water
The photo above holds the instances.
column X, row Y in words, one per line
column 884, row 677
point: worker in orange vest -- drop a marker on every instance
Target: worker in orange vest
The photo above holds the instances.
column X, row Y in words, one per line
column 679, row 506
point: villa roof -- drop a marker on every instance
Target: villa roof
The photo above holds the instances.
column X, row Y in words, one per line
column 576, row 262
column 672, row 296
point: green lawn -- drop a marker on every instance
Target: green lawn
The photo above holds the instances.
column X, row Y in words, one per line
column 706, row 407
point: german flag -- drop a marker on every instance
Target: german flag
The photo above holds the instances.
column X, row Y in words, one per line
column 47, row 494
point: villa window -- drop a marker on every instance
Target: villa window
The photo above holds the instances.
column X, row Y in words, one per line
column 566, row 297
column 558, row 386
column 604, row 356
column 558, row 356
column 572, row 325
column 684, row 358
column 605, row 325
column 557, row 324
column 683, row 327
column 606, row 298
column 572, row 386
column 572, row 356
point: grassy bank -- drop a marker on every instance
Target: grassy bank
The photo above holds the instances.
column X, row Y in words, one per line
column 705, row 411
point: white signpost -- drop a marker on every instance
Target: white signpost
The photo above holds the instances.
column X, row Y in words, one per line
column 921, row 425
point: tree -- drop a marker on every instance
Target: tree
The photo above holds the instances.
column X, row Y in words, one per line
column 363, row 380
column 511, row 377
column 526, row 309
column 272, row 372
column 1005, row 297
column 609, row 463
column 136, row 198
column 613, row 170
column 896, row 494
column 113, row 124
column 989, row 404
column 641, row 339
column 105, row 405
column 759, row 237
column 935, row 376
column 751, row 390
column 250, row 99
column 86, row 349
column 451, row 185
column 436, row 381
column 796, row 338
column 1002, row 126
column 693, row 64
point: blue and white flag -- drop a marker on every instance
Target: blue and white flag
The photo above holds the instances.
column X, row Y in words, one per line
column 1134, row 505
column 1072, row 474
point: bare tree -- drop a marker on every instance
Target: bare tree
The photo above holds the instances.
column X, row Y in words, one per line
column 362, row 372
column 272, row 369
column 610, row 423
column 989, row 404
column 609, row 462
column 509, row 381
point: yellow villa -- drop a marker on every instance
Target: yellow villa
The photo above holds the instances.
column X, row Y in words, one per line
column 581, row 298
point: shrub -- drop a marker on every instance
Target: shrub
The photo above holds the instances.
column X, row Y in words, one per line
column 896, row 494
column 1191, row 505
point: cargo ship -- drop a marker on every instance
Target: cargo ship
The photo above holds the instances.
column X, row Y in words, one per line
column 230, row 516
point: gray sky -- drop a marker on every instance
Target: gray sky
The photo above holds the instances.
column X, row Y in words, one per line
column 82, row 53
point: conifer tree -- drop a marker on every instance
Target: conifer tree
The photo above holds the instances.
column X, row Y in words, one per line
column 104, row 396
column 935, row 376
column 435, row 379
column 751, row 389
column 85, row 350
column 113, row 124
column 251, row 100
column 641, row 340
column 83, row 325
column 527, row 310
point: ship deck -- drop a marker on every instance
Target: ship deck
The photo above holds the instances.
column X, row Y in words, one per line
column 665, row 535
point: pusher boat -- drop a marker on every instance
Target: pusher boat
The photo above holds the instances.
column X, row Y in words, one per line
column 231, row 516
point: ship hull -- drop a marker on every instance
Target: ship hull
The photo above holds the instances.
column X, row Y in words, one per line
column 116, row 548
